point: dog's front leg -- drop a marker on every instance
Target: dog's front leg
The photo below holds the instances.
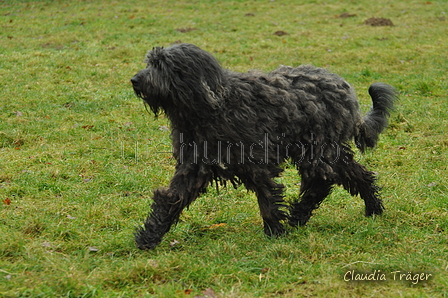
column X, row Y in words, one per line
column 168, row 204
column 270, row 201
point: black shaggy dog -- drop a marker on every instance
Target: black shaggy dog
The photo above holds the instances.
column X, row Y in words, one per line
column 241, row 128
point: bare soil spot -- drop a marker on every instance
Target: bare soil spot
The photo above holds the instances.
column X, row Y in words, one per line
column 346, row 15
column 185, row 30
column 280, row 33
column 378, row 22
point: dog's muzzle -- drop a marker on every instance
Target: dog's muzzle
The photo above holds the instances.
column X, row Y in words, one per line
column 136, row 86
column 134, row 81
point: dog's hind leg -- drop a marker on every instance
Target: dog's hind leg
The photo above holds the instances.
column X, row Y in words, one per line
column 187, row 183
column 363, row 182
column 356, row 179
column 313, row 191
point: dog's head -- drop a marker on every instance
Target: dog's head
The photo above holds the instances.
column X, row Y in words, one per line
column 181, row 76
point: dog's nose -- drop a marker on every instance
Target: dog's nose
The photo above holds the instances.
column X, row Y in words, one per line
column 134, row 81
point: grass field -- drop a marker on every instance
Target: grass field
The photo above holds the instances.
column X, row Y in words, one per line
column 79, row 154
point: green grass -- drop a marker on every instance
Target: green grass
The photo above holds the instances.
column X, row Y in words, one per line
column 79, row 155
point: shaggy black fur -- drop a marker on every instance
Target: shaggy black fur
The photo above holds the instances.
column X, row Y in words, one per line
column 241, row 127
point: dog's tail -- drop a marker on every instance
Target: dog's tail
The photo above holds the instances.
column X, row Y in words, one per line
column 383, row 98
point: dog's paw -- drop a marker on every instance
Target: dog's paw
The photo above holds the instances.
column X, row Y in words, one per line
column 274, row 230
column 374, row 211
column 146, row 246
column 146, row 241
column 295, row 221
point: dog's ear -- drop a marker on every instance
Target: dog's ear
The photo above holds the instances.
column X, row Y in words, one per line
column 155, row 57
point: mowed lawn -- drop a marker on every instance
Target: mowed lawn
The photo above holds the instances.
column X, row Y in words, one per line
column 80, row 154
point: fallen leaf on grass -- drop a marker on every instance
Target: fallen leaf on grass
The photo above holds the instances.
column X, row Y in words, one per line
column 208, row 293
column 152, row 263
column 46, row 244
column 265, row 270
column 214, row 226
column 68, row 105
column 174, row 243
column 7, row 201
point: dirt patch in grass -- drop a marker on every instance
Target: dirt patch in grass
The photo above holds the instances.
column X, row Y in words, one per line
column 280, row 33
column 185, row 30
column 346, row 15
column 378, row 22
